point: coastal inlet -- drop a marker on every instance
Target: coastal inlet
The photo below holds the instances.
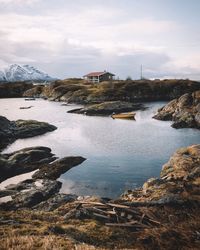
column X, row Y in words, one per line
column 121, row 154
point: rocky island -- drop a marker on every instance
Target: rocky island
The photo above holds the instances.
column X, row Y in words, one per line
column 81, row 92
column 108, row 108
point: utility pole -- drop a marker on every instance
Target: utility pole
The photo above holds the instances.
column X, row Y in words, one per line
column 141, row 73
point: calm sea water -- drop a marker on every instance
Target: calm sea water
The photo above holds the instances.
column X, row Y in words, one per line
column 120, row 154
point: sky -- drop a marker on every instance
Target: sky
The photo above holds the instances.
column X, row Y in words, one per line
column 68, row 38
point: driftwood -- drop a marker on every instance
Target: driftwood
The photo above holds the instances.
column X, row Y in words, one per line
column 113, row 215
column 131, row 225
column 28, row 107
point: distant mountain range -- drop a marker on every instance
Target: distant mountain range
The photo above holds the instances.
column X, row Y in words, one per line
column 16, row 72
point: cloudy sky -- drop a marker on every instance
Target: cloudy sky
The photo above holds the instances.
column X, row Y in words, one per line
column 69, row 38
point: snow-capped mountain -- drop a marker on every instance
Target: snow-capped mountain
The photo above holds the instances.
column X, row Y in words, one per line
column 2, row 76
column 16, row 72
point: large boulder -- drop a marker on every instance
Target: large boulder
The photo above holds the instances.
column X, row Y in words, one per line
column 184, row 112
column 24, row 161
column 165, row 113
column 29, row 159
column 34, row 92
column 12, row 130
column 30, row 193
column 54, row 170
column 30, row 128
column 43, row 187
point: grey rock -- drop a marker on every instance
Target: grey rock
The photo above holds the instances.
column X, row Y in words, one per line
column 36, row 195
column 56, row 201
column 184, row 112
column 24, row 161
column 12, row 130
column 107, row 108
column 54, row 170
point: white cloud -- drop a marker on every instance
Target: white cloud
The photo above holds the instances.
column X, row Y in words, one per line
column 96, row 38
column 6, row 2
column 81, row 29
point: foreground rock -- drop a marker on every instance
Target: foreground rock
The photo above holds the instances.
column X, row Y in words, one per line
column 163, row 214
column 12, row 130
column 29, row 159
column 57, row 168
column 38, row 194
column 184, row 111
column 24, row 161
column 179, row 181
column 107, row 108
column 43, row 185
column 30, row 193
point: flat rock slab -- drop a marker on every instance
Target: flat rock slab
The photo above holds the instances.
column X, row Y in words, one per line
column 12, row 130
column 108, row 108
column 43, row 185
column 24, row 161
column 57, row 168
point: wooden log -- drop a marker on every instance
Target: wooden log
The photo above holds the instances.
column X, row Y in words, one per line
column 117, row 205
column 154, row 221
column 142, row 218
column 130, row 225
column 101, row 211
column 90, row 203
column 155, row 203
column 129, row 216
column 101, row 216
column 129, row 210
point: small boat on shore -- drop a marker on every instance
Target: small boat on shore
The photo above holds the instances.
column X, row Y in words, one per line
column 129, row 115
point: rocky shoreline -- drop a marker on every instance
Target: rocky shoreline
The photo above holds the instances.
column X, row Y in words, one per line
column 179, row 181
column 184, row 111
column 157, row 208
column 163, row 214
column 80, row 92
column 180, row 177
column 43, row 184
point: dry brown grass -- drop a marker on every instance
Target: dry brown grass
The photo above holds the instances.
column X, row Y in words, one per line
column 28, row 229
